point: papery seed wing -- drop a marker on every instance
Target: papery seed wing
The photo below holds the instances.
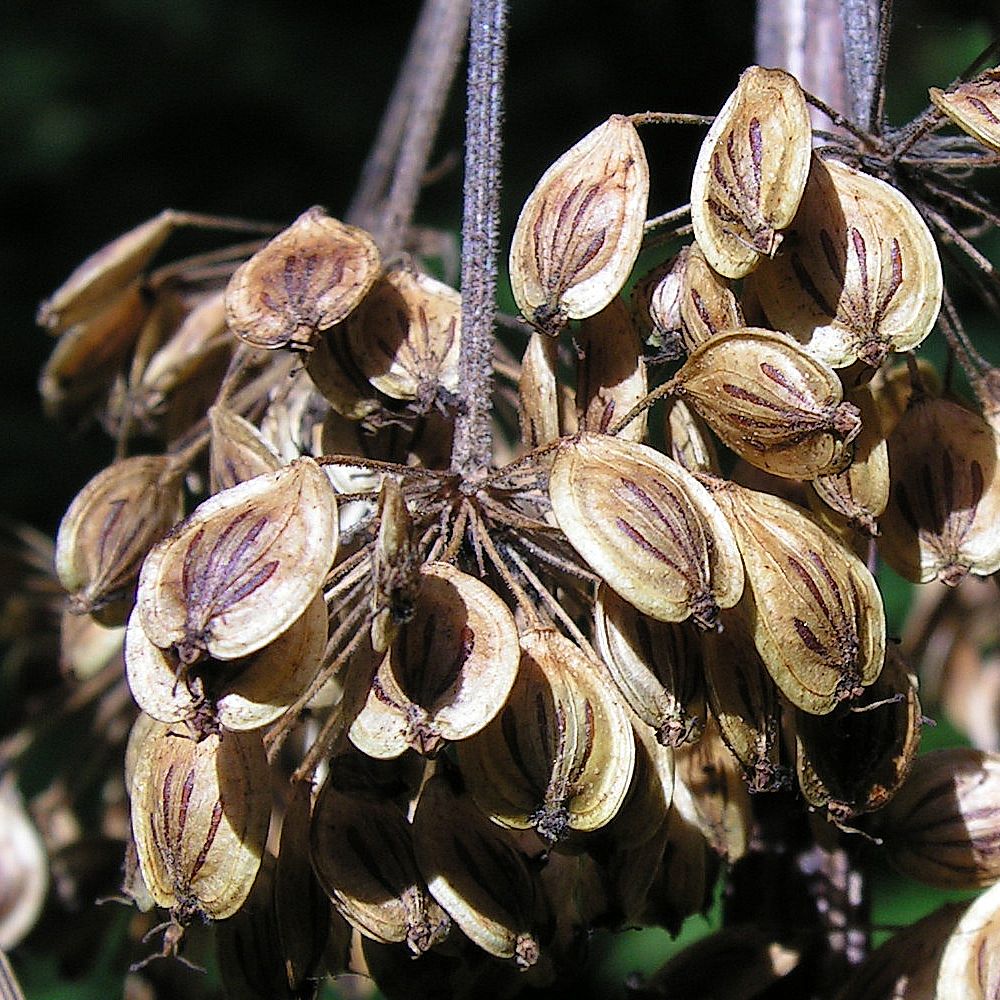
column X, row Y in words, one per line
column 580, row 230
column 647, row 527
column 707, row 303
column 243, row 567
column 970, row 963
column 751, row 171
column 688, row 440
column 860, row 275
column 974, row 106
column 237, row 450
column 538, row 392
column 655, row 305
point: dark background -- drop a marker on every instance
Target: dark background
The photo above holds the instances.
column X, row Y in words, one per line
column 113, row 109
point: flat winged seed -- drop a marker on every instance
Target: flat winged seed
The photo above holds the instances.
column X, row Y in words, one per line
column 751, row 171
column 475, row 871
column 448, row 672
column 24, row 868
column 111, row 525
column 688, row 441
column 647, row 527
column 405, row 336
column 770, row 402
column 239, row 694
column 306, row 280
column 362, row 853
column 580, row 230
column 814, row 609
column 707, row 303
column 237, row 450
column 974, row 106
column 944, row 506
column 200, row 813
column 396, row 577
column 655, row 305
column 538, row 392
column 560, row 754
column 611, row 372
column 970, row 964
column 860, row 274
column 243, row 567
column 655, row 666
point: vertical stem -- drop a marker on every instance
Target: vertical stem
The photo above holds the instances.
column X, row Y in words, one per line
column 480, row 234
column 865, row 39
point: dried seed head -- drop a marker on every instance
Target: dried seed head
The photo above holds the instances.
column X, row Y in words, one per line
column 770, row 402
column 362, row 852
column 647, row 527
column 611, row 372
column 24, row 868
column 475, row 872
column 860, row 275
column 974, row 106
column 110, row 526
column 707, row 303
column 943, row 826
column 243, row 567
column 306, row 280
column 405, row 337
column 970, row 965
column 449, row 671
column 814, row 610
column 944, row 507
column 560, row 754
column 200, row 813
column 751, row 171
column 580, row 230
column 655, row 666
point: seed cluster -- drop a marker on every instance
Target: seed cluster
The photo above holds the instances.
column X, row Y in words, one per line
column 498, row 712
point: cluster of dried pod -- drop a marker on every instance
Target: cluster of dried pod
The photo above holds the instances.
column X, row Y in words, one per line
column 490, row 715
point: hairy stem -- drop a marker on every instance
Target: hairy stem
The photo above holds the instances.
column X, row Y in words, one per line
column 480, row 235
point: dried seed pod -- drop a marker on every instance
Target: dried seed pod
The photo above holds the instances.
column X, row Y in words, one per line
column 538, row 392
column 395, row 566
column 243, row 567
column 744, row 702
column 105, row 274
column 237, row 450
column 200, row 812
column 855, row 759
column 906, row 966
column 814, row 609
column 656, row 307
column 751, row 171
column 974, row 106
column 893, row 388
column 655, row 666
column 240, row 694
column 449, row 671
column 611, row 372
column 405, row 337
column 475, row 872
column 707, row 303
column 560, row 754
column 970, row 965
column 362, row 853
column 943, row 826
column 688, row 441
column 24, row 868
column 940, row 522
column 647, row 527
column 580, row 230
column 770, row 402
column 335, row 375
column 860, row 275
column 110, row 526
column 306, row 280
column 860, row 493
column 86, row 646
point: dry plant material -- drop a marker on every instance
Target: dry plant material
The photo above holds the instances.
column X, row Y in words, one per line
column 560, row 754
column 970, row 965
column 110, row 526
column 396, row 576
column 688, row 441
column 941, row 519
column 707, row 303
column 200, row 813
column 580, row 230
column 405, row 337
column 448, row 672
column 538, row 392
column 974, row 106
column 656, row 306
column 647, row 527
column 476, row 873
column 307, row 279
column 237, row 450
column 751, row 171
column 770, row 402
column 814, row 609
column 860, row 274
column 243, row 567
column 24, row 867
